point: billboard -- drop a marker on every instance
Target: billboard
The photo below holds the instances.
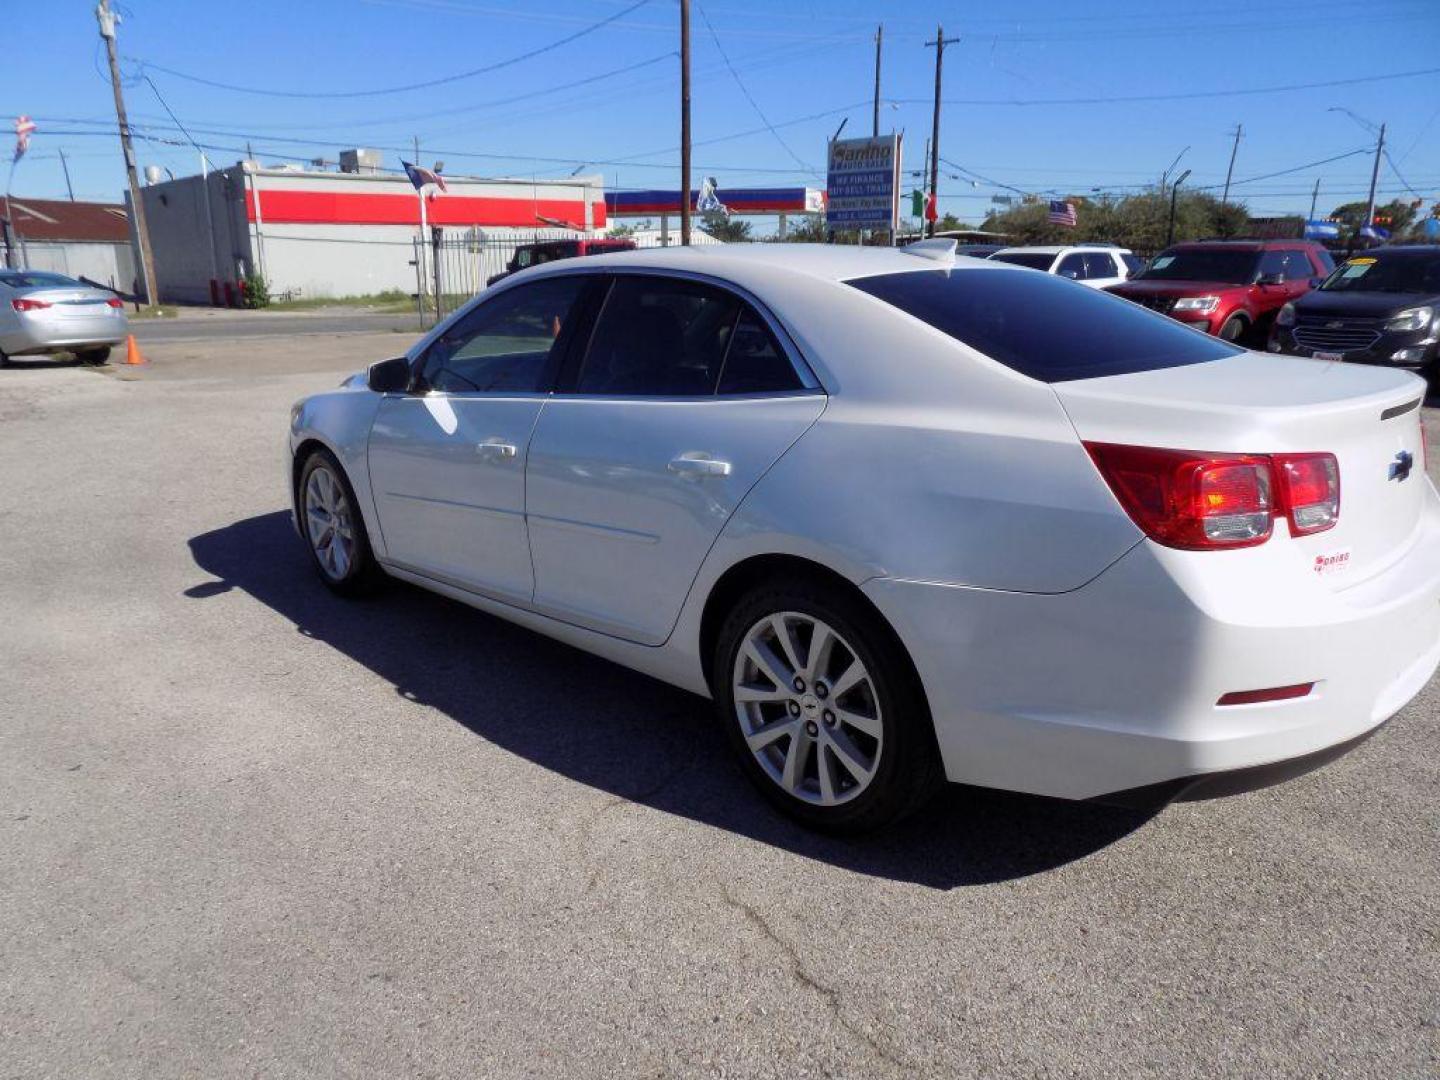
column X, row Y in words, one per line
column 863, row 182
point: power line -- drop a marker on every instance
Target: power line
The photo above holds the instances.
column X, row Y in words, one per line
column 1396, row 171
column 748, row 96
column 1284, row 172
column 530, row 55
column 1191, row 96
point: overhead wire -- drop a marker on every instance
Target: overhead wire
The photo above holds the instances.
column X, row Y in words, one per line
column 379, row 92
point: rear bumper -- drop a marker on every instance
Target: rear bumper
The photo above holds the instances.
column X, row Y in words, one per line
column 1114, row 686
column 33, row 336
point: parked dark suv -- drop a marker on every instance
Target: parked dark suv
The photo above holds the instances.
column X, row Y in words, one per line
column 1229, row 288
column 543, row 251
column 1380, row 307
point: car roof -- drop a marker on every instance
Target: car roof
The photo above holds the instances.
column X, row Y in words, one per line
column 744, row 263
column 1241, row 245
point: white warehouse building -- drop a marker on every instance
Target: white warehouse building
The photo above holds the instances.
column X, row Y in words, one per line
column 318, row 233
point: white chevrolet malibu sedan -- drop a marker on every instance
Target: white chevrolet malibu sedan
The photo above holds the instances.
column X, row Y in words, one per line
column 905, row 517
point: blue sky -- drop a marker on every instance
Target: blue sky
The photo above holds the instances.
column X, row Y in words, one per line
column 786, row 62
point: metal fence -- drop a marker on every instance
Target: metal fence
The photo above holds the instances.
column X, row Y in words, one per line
column 456, row 264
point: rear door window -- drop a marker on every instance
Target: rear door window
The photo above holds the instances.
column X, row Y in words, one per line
column 1040, row 326
column 1099, row 265
column 663, row 337
column 755, row 363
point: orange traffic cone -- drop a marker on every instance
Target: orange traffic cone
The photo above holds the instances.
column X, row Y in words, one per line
column 132, row 351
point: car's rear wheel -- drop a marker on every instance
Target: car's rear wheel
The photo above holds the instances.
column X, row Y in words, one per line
column 1234, row 328
column 824, row 709
column 333, row 528
column 95, row 357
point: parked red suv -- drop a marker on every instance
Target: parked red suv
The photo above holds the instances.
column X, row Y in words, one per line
column 543, row 251
column 1230, row 288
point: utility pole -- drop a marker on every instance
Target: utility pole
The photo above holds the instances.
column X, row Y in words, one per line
column 106, row 18
column 879, row 40
column 684, row 123
column 65, row 167
column 939, row 46
column 1314, row 198
column 1374, row 179
column 1239, row 130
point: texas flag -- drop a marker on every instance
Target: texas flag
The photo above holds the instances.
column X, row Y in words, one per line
column 420, row 176
column 23, row 127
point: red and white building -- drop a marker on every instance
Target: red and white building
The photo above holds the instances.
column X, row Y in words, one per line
column 349, row 233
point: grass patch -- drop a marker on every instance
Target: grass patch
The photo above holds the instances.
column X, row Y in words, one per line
column 155, row 312
column 390, row 301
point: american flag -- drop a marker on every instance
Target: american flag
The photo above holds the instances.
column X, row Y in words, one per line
column 1061, row 213
column 420, row 176
column 23, row 127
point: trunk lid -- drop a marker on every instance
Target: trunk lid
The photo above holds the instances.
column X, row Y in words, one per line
column 1254, row 403
column 70, row 303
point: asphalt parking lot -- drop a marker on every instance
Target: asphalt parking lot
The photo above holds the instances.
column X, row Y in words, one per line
column 249, row 829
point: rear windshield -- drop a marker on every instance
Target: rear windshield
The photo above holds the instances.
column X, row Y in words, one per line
column 1035, row 260
column 1044, row 326
column 1231, row 267
column 35, row 279
column 1387, row 274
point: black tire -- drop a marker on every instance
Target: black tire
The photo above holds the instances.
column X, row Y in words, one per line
column 93, row 357
column 361, row 573
column 4, row 360
column 1234, row 329
column 907, row 771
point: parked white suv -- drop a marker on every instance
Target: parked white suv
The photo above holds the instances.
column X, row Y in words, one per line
column 1096, row 265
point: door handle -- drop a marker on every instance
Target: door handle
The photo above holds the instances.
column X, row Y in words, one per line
column 692, row 464
column 496, row 450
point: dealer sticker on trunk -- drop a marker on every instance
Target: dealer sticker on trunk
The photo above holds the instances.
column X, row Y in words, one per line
column 1332, row 562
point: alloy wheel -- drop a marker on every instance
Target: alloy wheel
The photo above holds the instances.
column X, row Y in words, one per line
column 328, row 523
column 808, row 708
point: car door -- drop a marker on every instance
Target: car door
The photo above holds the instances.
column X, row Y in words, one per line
column 685, row 396
column 447, row 461
column 1101, row 270
column 1072, row 266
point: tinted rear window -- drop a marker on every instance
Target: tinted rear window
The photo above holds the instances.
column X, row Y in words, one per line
column 1044, row 326
column 1035, row 260
column 36, row 279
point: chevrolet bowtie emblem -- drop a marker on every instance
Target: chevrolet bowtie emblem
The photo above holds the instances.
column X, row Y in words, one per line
column 1401, row 466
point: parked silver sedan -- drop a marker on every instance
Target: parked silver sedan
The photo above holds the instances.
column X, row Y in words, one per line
column 41, row 313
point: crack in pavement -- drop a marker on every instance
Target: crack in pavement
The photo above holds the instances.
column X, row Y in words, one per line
column 830, row 995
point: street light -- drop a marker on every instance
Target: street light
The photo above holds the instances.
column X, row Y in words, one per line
column 1167, row 172
column 1174, row 191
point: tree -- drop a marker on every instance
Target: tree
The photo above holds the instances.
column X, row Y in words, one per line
column 809, row 229
column 1396, row 216
column 1138, row 222
column 727, row 229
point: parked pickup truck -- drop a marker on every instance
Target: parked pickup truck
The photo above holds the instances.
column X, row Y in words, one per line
column 543, row 251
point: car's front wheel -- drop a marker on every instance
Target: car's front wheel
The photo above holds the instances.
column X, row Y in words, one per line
column 1234, row 328
column 823, row 708
column 333, row 528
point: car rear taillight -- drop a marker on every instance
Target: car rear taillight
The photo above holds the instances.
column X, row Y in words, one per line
column 1191, row 501
column 29, row 305
column 1309, row 491
column 115, row 302
column 1197, row 502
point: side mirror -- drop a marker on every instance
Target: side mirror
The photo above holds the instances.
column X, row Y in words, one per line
column 390, row 376
column 1270, row 279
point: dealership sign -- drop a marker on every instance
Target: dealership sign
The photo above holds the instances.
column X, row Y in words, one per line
column 863, row 183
